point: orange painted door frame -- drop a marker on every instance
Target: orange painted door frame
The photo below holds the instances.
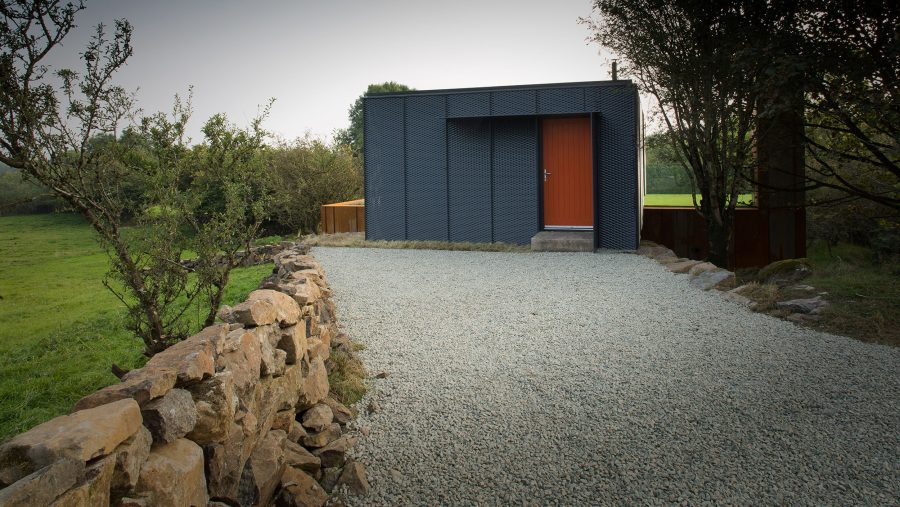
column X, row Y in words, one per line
column 566, row 170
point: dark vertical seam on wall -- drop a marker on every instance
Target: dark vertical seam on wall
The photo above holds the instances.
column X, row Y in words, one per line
column 365, row 170
column 491, row 126
column 405, row 177
column 447, row 164
column 539, row 153
column 595, row 157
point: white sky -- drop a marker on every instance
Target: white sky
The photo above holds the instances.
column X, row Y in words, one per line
column 316, row 57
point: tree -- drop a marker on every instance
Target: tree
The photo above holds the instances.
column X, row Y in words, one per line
column 701, row 62
column 62, row 131
column 852, row 50
column 353, row 135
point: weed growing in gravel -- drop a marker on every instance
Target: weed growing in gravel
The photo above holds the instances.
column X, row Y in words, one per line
column 346, row 377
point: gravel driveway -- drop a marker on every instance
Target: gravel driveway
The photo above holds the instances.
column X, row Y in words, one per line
column 521, row 378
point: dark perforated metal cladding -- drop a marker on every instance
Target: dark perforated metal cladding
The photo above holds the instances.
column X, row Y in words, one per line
column 426, row 172
column 561, row 101
column 469, row 146
column 515, row 180
column 513, row 103
column 467, row 105
column 618, row 169
column 385, row 189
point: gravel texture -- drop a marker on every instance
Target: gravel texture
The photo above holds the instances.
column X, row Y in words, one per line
column 521, row 378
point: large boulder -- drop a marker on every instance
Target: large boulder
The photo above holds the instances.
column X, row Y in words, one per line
column 257, row 312
column 785, row 272
column 94, row 487
column 141, row 385
column 194, row 359
column 216, row 404
column 332, row 455
column 287, row 311
column 315, row 385
column 318, row 417
column 298, row 489
column 173, row 475
column 298, row 457
column 353, row 479
column 263, row 470
column 241, row 356
column 170, row 417
column 44, row 485
column 83, row 436
column 714, row 279
column 130, row 456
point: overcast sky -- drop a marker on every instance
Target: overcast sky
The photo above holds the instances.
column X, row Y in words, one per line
column 316, row 57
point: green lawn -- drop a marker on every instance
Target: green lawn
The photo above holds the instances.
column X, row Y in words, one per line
column 60, row 328
column 685, row 199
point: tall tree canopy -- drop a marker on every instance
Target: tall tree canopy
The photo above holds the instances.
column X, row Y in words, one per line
column 353, row 135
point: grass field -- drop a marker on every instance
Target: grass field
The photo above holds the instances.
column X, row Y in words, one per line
column 60, row 329
column 685, row 199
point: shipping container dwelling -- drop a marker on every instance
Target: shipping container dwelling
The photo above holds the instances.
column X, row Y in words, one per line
column 501, row 164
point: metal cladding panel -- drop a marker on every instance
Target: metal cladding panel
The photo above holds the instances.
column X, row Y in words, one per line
column 561, row 101
column 468, row 105
column 426, row 171
column 385, row 180
column 515, row 180
column 514, row 103
column 618, row 195
column 469, row 156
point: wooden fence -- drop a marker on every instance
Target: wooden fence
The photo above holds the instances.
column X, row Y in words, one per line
column 348, row 216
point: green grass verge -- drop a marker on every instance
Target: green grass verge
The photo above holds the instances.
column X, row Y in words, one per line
column 60, row 328
column 686, row 200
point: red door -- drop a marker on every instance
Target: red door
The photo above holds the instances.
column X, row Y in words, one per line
column 567, row 173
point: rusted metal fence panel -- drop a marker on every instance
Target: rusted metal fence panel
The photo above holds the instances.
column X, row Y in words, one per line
column 349, row 216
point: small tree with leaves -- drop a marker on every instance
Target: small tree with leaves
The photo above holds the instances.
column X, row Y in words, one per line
column 353, row 135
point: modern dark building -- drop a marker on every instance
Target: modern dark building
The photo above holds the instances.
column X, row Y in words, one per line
column 502, row 164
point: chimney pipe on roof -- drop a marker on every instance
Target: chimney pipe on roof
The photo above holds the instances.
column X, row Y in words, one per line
column 615, row 73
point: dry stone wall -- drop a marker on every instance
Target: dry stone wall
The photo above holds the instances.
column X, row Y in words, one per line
column 237, row 414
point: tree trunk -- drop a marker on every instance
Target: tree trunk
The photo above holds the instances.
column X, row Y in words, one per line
column 720, row 231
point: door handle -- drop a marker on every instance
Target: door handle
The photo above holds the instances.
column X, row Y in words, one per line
column 546, row 175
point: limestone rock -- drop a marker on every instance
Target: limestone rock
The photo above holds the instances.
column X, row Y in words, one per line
column 696, row 269
column 305, row 292
column 141, row 385
column 194, row 359
column 655, row 251
column 811, row 305
column 225, row 461
column 353, row 478
column 44, row 485
column 315, row 385
column 272, row 361
column 330, row 477
column 785, row 272
column 342, row 414
column 94, row 488
column 317, row 348
column 318, row 417
column 714, row 279
column 324, row 437
column 297, row 433
column 82, row 436
column 332, row 455
column 287, row 311
column 283, row 421
column 173, row 475
column 129, row 456
column 292, row 382
column 216, row 403
column 298, row 457
column 170, row 417
column 300, row 490
column 293, row 342
column 258, row 312
column 263, row 470
column 241, row 356
column 682, row 265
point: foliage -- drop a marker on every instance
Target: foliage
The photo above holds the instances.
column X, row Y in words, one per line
column 61, row 330
column 20, row 196
column 850, row 55
column 665, row 174
column 698, row 61
column 353, row 135
column 306, row 174
column 66, row 138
